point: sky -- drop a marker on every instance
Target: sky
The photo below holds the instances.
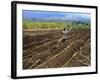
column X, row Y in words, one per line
column 51, row 14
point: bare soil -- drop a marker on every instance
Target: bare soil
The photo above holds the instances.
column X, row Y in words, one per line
column 41, row 49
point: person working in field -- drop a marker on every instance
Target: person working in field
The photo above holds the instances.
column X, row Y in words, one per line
column 65, row 33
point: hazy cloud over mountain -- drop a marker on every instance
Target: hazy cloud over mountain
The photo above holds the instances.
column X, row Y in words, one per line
column 55, row 16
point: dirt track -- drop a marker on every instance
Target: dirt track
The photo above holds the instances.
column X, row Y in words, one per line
column 40, row 49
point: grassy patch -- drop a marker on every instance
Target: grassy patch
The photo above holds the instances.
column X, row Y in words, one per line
column 53, row 25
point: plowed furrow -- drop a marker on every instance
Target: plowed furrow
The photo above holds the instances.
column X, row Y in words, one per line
column 30, row 50
column 66, row 54
column 39, row 48
column 63, row 56
column 51, row 51
column 79, row 59
column 43, row 50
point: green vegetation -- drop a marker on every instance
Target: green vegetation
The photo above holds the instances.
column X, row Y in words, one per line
column 53, row 25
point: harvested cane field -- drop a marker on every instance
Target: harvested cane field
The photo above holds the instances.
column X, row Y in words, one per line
column 42, row 50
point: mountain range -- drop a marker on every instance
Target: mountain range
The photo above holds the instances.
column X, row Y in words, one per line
column 73, row 17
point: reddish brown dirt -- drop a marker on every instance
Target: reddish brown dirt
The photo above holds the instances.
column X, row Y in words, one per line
column 40, row 49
